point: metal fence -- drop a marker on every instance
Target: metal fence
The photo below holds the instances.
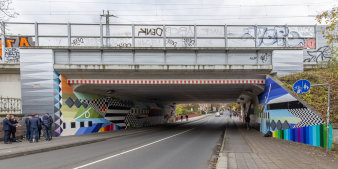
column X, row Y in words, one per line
column 123, row 36
column 10, row 105
column 132, row 35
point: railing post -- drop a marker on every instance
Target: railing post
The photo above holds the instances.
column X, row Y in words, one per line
column 164, row 37
column 315, row 30
column 69, row 34
column 225, row 35
column 3, row 40
column 36, row 34
column 256, row 35
column 195, row 35
column 133, row 35
column 287, row 37
column 101, row 34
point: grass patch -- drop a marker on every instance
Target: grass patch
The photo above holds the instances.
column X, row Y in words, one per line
column 317, row 96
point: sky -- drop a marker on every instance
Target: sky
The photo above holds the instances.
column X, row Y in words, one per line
column 230, row 12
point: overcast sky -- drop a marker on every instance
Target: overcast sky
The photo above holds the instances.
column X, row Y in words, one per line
column 174, row 11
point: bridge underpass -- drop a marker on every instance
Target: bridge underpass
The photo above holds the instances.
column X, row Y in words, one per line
column 175, row 93
column 71, row 73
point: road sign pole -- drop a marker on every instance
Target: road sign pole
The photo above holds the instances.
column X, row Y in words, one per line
column 328, row 115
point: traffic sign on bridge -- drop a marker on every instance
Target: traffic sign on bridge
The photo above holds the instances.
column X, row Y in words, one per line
column 301, row 86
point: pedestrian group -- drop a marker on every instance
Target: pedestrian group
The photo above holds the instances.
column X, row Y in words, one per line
column 34, row 125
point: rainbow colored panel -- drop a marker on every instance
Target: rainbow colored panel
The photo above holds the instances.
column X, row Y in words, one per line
column 312, row 135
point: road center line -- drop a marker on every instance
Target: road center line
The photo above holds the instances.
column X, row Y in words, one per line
column 119, row 154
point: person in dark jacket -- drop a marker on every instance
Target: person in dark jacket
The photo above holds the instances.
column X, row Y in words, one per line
column 47, row 122
column 40, row 126
column 186, row 117
column 51, row 126
column 247, row 121
column 34, row 124
column 13, row 128
column 7, row 128
column 28, row 128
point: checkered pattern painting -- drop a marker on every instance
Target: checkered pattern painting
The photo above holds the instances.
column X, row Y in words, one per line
column 308, row 117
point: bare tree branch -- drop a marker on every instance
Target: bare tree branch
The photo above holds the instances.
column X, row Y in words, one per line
column 6, row 11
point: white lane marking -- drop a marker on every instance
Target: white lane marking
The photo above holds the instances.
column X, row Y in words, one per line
column 119, row 154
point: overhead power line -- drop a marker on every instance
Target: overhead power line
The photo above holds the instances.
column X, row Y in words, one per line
column 174, row 4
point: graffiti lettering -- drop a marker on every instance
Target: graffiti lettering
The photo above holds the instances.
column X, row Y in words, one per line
column 189, row 42
column 179, row 31
column 16, row 42
column 264, row 57
column 124, row 45
column 171, row 42
column 320, row 55
column 12, row 55
column 77, row 42
column 150, row 31
column 253, row 57
column 276, row 36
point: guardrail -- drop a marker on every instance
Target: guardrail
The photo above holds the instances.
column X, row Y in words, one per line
column 16, row 34
column 10, row 105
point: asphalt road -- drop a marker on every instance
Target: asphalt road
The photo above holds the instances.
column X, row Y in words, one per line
column 188, row 146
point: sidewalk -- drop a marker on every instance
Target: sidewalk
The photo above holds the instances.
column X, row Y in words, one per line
column 26, row 148
column 246, row 149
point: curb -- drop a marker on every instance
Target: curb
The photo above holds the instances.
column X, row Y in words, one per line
column 222, row 161
column 63, row 146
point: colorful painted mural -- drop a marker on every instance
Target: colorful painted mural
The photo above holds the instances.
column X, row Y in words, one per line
column 313, row 135
column 83, row 113
column 57, row 104
column 288, row 118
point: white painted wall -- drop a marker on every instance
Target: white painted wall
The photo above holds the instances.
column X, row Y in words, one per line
column 10, row 85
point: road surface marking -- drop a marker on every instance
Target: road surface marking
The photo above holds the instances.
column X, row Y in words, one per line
column 119, row 154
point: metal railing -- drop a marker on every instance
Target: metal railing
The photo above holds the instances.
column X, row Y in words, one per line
column 10, row 105
column 165, row 36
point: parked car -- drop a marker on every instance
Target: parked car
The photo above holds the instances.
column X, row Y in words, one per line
column 217, row 114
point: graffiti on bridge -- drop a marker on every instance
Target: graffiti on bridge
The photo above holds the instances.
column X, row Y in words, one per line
column 150, row 31
column 12, row 53
column 280, row 36
column 77, row 42
column 322, row 54
column 262, row 58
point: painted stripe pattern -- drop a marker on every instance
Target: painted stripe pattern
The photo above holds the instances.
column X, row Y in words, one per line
column 165, row 81
column 313, row 135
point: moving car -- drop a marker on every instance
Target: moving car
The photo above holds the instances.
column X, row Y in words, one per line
column 217, row 114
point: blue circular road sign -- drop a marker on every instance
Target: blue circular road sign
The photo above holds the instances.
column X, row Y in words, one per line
column 301, row 86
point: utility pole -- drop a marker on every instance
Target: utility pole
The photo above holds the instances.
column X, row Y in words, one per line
column 107, row 15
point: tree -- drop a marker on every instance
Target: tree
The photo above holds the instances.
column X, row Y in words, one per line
column 6, row 11
column 179, row 110
column 329, row 17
